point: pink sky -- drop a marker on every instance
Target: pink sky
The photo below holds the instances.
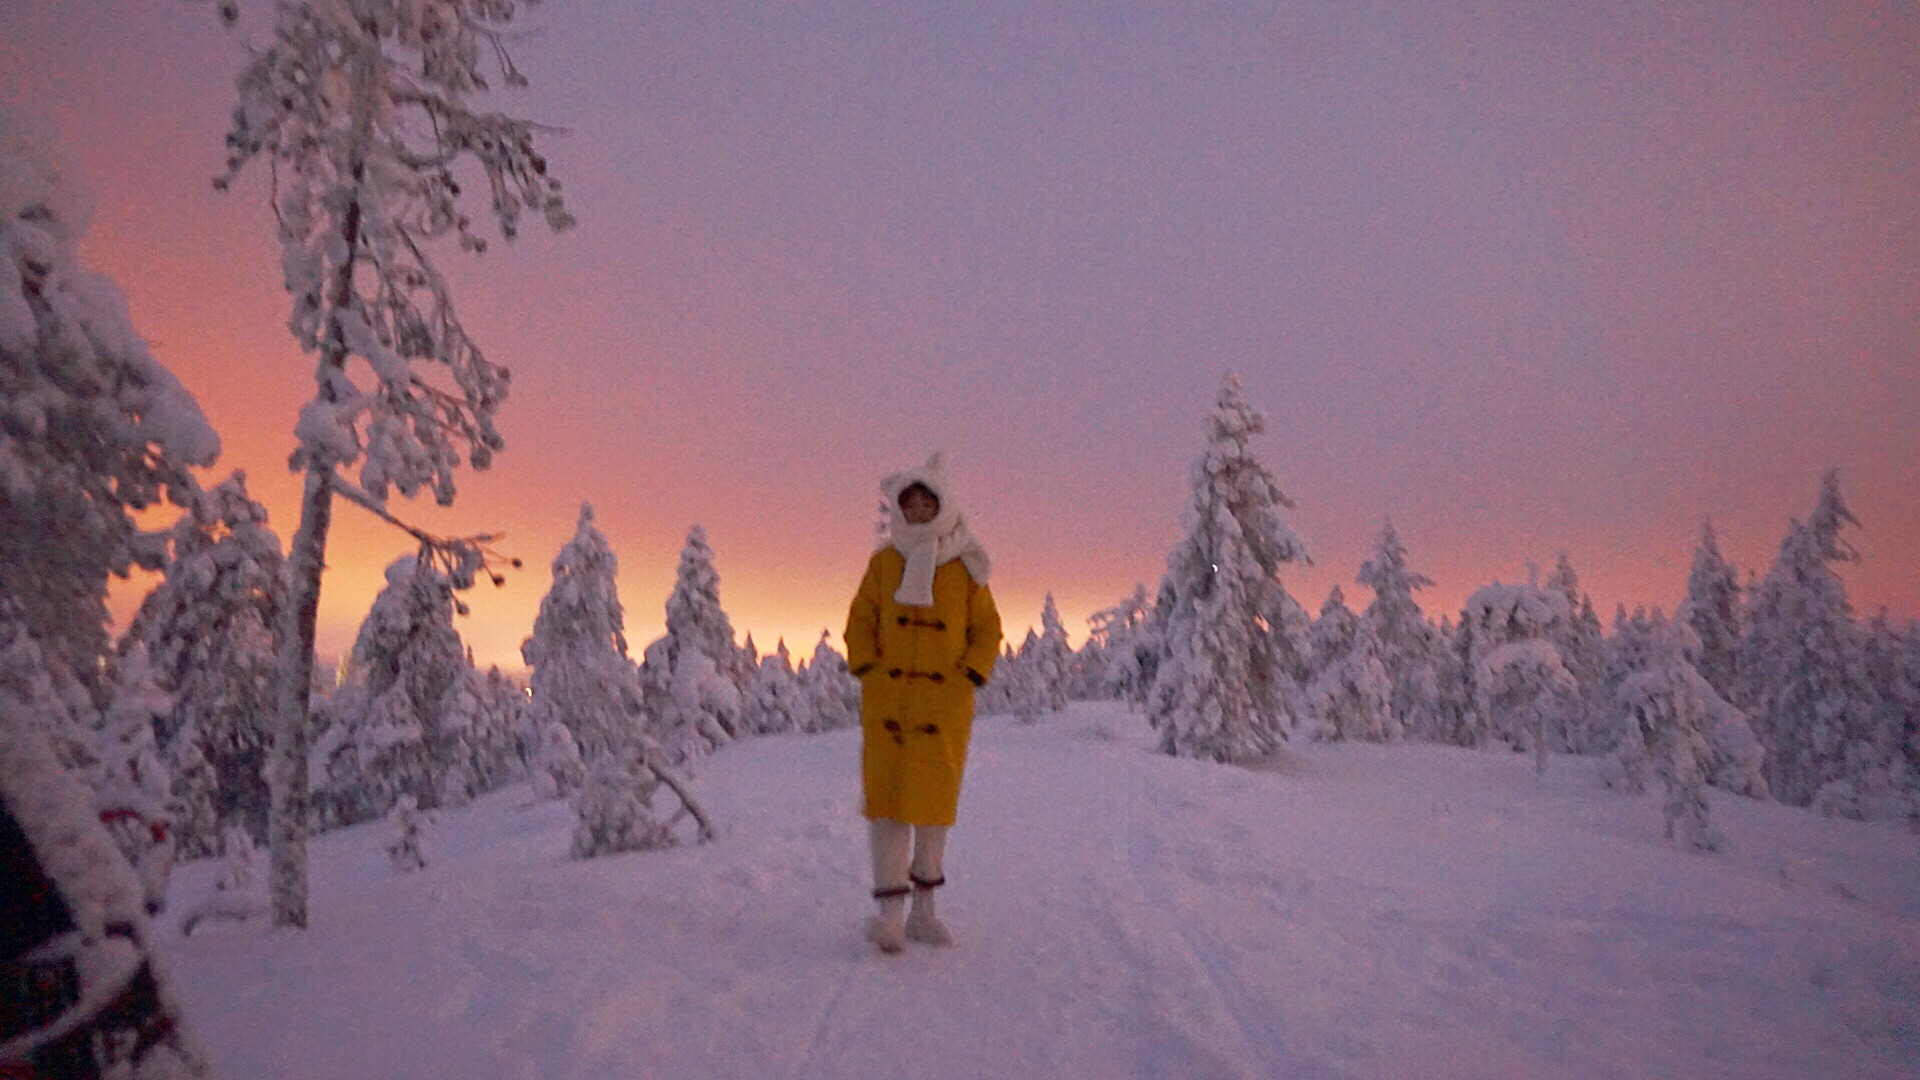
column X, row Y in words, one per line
column 1523, row 278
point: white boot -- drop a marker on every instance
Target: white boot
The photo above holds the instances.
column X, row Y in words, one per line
column 889, row 841
column 929, row 852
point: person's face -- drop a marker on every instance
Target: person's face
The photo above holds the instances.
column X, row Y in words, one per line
column 918, row 505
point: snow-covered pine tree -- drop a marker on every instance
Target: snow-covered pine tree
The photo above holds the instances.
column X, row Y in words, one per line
column 1456, row 722
column 1026, row 680
column 778, row 703
column 581, row 675
column 695, row 673
column 1085, row 669
column 1587, row 733
column 586, row 707
column 405, row 660
column 1349, row 697
column 1799, row 657
column 833, row 694
column 695, row 619
column 1221, row 689
column 1733, row 758
column 1052, row 659
column 364, row 110
column 1290, row 633
column 130, row 781
column 1669, row 709
column 208, row 627
column 617, row 813
column 1629, row 651
column 1518, row 680
column 45, row 695
column 1713, row 610
column 195, row 806
column 1409, row 644
column 499, row 755
column 462, row 713
column 557, row 769
column 92, row 427
column 1880, row 776
column 993, row 699
column 1126, row 648
column 1580, row 728
column 705, row 705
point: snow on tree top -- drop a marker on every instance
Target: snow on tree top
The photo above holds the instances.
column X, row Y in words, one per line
column 48, row 300
column 1528, row 609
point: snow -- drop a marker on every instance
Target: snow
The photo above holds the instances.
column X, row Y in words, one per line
column 1342, row 910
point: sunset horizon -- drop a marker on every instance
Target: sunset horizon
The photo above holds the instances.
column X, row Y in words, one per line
column 1517, row 315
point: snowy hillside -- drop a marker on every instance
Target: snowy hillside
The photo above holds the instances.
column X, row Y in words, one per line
column 1404, row 910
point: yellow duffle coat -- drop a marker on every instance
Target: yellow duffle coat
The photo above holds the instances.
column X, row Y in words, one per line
column 916, row 700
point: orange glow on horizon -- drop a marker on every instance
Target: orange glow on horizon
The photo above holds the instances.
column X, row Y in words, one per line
column 1586, row 320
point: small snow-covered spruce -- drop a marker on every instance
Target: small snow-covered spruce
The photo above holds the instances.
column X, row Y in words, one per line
column 995, row 698
column 1085, row 669
column 695, row 619
column 45, row 696
column 208, row 627
column 1735, row 760
column 617, row 807
column 777, row 703
column 1880, row 776
column 1409, row 644
column 238, row 893
column 1580, row 727
column 196, row 796
column 1349, row 697
column 92, row 427
column 480, row 717
column 833, row 694
column 694, row 675
column 581, row 675
column 1713, row 610
column 1629, row 651
column 405, row 660
column 407, row 850
column 1125, row 647
column 1799, row 658
column 1026, row 680
column 1518, row 681
column 364, row 110
column 1669, row 709
column 1456, row 721
column 1053, row 659
column 130, row 781
column 1221, row 690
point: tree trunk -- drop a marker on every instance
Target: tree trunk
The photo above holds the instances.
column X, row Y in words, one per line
column 305, row 562
column 288, row 771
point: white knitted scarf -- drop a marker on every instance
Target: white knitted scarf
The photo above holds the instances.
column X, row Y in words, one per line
column 932, row 545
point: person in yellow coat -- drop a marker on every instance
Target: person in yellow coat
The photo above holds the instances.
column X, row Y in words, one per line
column 921, row 635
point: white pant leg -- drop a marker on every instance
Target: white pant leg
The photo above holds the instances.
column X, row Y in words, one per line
column 929, row 851
column 891, row 843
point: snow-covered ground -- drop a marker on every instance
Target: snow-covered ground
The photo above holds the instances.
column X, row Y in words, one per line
column 1360, row 911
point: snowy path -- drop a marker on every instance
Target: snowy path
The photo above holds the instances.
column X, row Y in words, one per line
column 1353, row 911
